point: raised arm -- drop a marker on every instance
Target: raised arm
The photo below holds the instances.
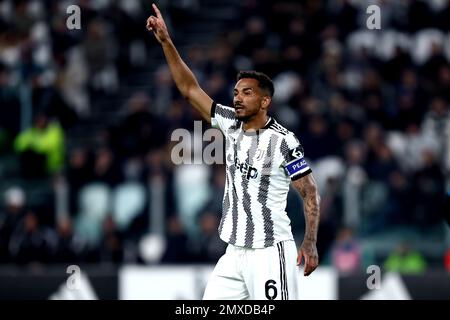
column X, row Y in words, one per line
column 307, row 188
column 182, row 75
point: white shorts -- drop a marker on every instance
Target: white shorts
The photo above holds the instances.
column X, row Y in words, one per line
column 255, row 274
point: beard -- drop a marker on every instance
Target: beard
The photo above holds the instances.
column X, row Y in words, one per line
column 243, row 118
column 245, row 115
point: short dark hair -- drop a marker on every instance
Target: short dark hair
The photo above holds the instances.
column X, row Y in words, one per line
column 265, row 82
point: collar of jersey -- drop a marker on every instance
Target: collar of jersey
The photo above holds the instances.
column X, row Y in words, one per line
column 259, row 131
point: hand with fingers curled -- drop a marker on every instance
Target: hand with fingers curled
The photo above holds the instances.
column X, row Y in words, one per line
column 158, row 26
column 308, row 251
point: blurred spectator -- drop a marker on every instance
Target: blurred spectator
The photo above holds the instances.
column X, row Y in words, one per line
column 10, row 108
column 415, row 143
column 72, row 82
column 100, row 51
column 216, row 86
column 354, row 180
column 330, row 215
column 111, row 245
column 441, row 20
column 41, row 148
column 220, row 55
column 428, row 188
column 79, row 173
column 208, row 246
column 107, row 168
column 179, row 116
column 71, row 248
column 410, row 100
column 218, row 179
column 418, row 15
column 63, row 38
column 396, row 65
column 32, row 242
column 46, row 98
column 180, row 10
column 435, row 62
column 345, row 16
column 436, row 125
column 441, row 87
column 405, row 259
column 343, row 110
column 346, row 252
column 164, row 91
column 140, row 131
column 177, row 249
column 318, row 141
column 254, row 36
column 14, row 210
column 22, row 20
column 382, row 164
column 127, row 31
column 398, row 207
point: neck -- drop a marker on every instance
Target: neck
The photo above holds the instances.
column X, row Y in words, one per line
column 255, row 123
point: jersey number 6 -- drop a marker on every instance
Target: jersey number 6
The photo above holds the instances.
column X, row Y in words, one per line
column 271, row 290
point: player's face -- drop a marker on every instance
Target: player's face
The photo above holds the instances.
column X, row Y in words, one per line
column 248, row 99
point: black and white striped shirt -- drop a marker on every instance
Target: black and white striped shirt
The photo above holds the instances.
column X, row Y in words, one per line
column 260, row 166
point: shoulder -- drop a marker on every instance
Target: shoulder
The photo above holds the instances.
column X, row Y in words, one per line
column 289, row 146
column 287, row 136
column 218, row 109
column 224, row 118
column 277, row 128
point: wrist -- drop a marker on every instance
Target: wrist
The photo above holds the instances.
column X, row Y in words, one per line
column 166, row 41
column 310, row 239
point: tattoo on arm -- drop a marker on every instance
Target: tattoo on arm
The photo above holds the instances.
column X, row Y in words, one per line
column 307, row 188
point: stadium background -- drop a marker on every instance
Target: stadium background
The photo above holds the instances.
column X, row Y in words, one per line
column 86, row 117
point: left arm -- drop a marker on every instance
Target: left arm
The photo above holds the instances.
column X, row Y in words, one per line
column 307, row 188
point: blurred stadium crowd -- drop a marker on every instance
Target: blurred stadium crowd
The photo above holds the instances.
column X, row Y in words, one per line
column 86, row 118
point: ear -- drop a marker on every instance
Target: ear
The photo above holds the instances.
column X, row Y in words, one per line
column 266, row 102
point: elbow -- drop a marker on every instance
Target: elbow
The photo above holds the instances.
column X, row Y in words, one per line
column 316, row 192
column 313, row 193
column 187, row 92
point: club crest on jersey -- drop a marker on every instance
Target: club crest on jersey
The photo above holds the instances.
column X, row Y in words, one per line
column 260, row 154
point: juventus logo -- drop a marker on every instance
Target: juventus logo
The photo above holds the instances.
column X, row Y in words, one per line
column 260, row 154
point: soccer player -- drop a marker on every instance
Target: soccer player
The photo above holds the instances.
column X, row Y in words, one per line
column 262, row 159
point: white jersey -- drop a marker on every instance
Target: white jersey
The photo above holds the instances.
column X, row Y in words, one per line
column 260, row 166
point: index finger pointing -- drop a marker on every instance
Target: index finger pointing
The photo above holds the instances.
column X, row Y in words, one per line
column 158, row 13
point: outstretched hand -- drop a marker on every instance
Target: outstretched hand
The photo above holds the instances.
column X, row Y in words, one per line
column 308, row 251
column 158, row 26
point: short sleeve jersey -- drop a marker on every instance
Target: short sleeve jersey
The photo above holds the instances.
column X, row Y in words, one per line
column 259, row 168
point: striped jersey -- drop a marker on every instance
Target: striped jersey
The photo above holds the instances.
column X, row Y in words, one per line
column 259, row 168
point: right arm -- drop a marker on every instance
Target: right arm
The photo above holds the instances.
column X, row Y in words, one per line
column 182, row 75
